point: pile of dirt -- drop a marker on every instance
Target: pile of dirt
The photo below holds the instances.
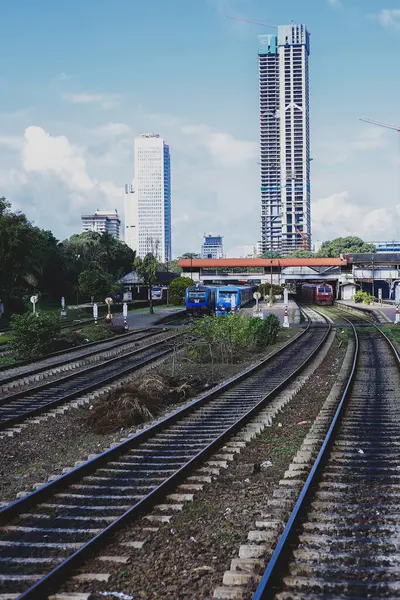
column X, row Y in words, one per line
column 140, row 400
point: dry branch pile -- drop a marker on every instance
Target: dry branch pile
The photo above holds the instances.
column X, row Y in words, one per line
column 139, row 401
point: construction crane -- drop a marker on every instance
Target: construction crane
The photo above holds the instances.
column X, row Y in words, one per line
column 381, row 124
column 251, row 21
column 303, row 237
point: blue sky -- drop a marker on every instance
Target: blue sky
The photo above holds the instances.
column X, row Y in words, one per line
column 81, row 78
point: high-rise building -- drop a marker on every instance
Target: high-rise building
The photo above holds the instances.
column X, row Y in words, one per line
column 102, row 221
column 148, row 199
column 285, row 139
column 212, row 247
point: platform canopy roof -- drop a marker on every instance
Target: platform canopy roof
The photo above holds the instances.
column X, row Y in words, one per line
column 213, row 263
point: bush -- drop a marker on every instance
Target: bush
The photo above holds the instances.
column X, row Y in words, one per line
column 227, row 339
column 364, row 297
column 34, row 334
column 177, row 289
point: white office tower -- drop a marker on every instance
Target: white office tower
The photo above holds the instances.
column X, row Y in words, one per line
column 285, row 139
column 148, row 200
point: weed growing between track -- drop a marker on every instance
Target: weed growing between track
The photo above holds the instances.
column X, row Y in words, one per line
column 393, row 333
column 228, row 339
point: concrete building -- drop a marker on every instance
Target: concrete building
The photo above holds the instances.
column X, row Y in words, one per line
column 148, row 200
column 212, row 247
column 285, row 139
column 102, row 221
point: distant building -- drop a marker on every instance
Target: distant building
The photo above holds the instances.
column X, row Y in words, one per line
column 285, row 139
column 392, row 246
column 102, row 221
column 148, row 200
column 212, row 247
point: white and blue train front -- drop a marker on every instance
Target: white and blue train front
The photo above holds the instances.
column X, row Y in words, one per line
column 200, row 300
column 230, row 298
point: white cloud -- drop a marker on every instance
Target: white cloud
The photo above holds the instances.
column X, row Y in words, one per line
column 335, row 3
column 223, row 147
column 389, row 18
column 103, row 101
column 63, row 76
column 44, row 153
column 339, row 215
column 339, row 151
column 12, row 142
column 112, row 130
column 378, row 221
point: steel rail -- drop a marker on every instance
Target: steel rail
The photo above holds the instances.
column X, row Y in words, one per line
column 76, row 353
column 89, row 344
column 82, row 389
column 266, row 589
column 51, row 580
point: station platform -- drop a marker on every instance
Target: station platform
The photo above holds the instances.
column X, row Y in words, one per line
column 384, row 313
column 138, row 319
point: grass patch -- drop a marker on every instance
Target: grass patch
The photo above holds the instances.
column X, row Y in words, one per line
column 96, row 333
column 5, row 338
column 7, row 360
column 393, row 332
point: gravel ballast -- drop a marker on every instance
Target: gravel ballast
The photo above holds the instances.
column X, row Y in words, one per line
column 44, row 449
column 188, row 557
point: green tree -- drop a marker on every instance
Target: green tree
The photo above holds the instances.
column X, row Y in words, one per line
column 31, row 259
column 300, row 254
column 147, row 270
column 89, row 247
column 95, row 282
column 267, row 254
column 190, row 255
column 344, row 245
column 34, row 334
column 177, row 289
column 174, row 268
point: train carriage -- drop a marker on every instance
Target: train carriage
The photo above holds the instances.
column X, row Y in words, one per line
column 200, row 300
column 231, row 298
column 317, row 293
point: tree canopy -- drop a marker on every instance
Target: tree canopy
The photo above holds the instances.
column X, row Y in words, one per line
column 190, row 255
column 344, row 245
column 177, row 290
column 268, row 254
column 300, row 254
column 147, row 270
column 34, row 261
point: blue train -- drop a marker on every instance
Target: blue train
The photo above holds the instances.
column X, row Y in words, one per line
column 232, row 297
column 200, row 300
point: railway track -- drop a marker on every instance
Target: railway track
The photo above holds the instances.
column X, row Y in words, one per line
column 19, row 406
column 51, row 531
column 341, row 540
column 53, row 363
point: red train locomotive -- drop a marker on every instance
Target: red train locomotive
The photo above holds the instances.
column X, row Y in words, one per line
column 317, row 293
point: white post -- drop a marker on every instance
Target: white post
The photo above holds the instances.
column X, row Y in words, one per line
column 286, row 317
column 63, row 311
column 125, row 313
column 34, row 299
column 95, row 313
column 397, row 316
column 285, row 297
